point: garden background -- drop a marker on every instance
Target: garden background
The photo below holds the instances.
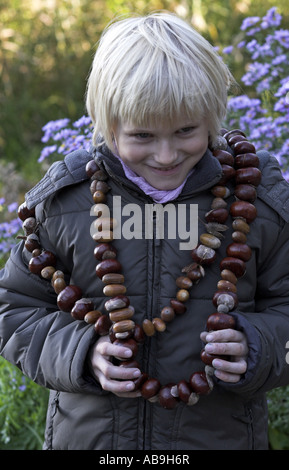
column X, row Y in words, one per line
column 46, row 48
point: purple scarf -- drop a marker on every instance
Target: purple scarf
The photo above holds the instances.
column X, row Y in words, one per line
column 156, row 194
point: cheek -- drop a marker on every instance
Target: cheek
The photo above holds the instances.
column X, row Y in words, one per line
column 131, row 154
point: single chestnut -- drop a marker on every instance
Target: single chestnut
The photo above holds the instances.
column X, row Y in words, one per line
column 203, row 255
column 241, row 225
column 228, row 173
column 179, row 307
column 225, row 297
column 239, row 237
column 37, row 263
column 99, row 196
column 220, row 191
column 224, row 285
column 138, row 382
column 159, row 324
column 102, row 325
column 244, row 147
column 91, row 167
column 166, row 399
column 245, row 192
column 101, row 186
column 167, row 314
column 99, row 175
column 224, row 157
column 210, row 240
column 117, row 302
column 67, row 297
column 121, row 314
column 184, row 282
column 150, row 388
column 236, row 138
column 148, row 327
column 108, row 266
column 196, row 273
column 114, row 289
column 246, row 160
column 31, row 242
column 199, row 384
column 57, row 274
column 218, row 203
column 29, row 225
column 250, row 175
column 123, row 326
column 24, row 212
column 184, row 391
column 243, row 209
column 47, row 272
column 220, row 321
column 138, row 334
column 232, row 132
column 182, row 295
column 239, row 250
column 228, row 275
column 81, row 308
column 113, row 278
column 92, row 316
column 217, row 215
column 236, row 265
column 59, row 284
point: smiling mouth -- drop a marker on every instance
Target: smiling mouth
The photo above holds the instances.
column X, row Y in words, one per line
column 168, row 168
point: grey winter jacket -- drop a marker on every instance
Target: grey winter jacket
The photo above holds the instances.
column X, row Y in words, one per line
column 52, row 348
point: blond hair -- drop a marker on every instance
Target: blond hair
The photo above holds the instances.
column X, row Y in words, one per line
column 155, row 67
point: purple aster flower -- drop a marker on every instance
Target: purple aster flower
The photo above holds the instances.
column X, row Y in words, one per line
column 282, row 37
column 272, row 18
column 53, row 126
column 84, row 121
column 228, row 49
column 46, row 151
column 12, row 207
column 249, row 22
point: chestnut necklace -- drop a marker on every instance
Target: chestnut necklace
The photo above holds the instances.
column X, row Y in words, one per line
column 119, row 324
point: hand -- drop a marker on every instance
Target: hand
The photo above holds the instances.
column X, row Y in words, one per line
column 227, row 342
column 118, row 380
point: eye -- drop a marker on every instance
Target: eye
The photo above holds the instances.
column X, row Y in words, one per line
column 142, row 135
column 186, row 130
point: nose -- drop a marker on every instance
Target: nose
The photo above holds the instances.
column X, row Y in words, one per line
column 165, row 153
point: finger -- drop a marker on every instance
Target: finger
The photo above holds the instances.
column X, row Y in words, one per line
column 229, row 372
column 133, row 394
column 226, row 377
column 121, row 373
column 109, row 349
column 236, row 368
column 230, row 349
column 116, row 386
column 225, row 335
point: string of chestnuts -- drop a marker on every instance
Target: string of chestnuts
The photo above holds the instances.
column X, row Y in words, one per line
column 118, row 320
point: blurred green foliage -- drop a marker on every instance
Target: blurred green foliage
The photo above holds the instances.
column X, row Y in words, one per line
column 23, row 406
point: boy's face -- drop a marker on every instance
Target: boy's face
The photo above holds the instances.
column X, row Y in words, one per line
column 163, row 154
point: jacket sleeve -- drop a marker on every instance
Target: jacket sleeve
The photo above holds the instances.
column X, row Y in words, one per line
column 45, row 343
column 267, row 327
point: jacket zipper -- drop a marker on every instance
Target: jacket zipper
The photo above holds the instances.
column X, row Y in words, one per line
column 150, row 315
column 251, row 428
